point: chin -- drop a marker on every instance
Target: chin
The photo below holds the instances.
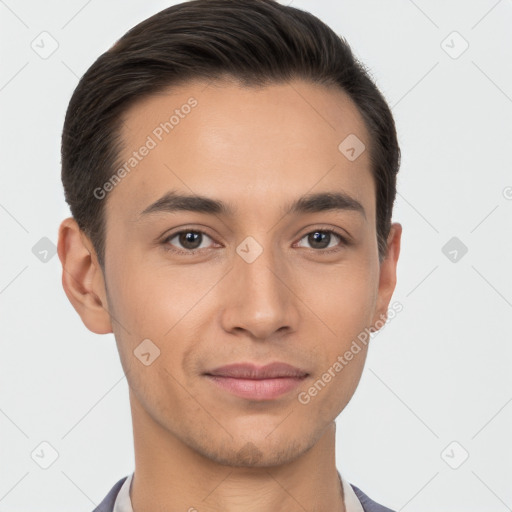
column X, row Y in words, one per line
column 255, row 453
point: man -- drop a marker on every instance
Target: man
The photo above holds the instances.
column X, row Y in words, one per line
column 231, row 172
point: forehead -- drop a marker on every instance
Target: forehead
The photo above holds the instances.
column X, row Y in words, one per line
column 249, row 146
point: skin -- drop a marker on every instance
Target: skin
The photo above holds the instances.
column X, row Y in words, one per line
column 257, row 149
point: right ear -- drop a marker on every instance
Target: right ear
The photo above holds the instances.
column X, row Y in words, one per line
column 82, row 277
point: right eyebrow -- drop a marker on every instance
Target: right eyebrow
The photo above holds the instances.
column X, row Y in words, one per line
column 171, row 202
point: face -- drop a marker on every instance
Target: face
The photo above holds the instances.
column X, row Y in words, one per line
column 251, row 280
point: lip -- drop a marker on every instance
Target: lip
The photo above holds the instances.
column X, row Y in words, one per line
column 253, row 382
column 252, row 371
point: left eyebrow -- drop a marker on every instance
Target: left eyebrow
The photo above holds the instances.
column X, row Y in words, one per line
column 326, row 201
column 172, row 201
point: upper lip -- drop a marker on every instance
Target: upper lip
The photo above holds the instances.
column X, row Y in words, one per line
column 252, row 371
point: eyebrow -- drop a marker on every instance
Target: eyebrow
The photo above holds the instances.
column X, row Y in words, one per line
column 172, row 202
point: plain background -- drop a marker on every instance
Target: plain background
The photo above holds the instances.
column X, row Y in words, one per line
column 437, row 385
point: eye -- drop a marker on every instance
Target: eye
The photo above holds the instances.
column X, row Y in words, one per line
column 190, row 240
column 322, row 238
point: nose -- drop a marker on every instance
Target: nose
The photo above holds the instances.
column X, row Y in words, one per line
column 260, row 297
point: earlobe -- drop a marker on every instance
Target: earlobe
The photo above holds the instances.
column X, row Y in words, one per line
column 82, row 277
column 387, row 279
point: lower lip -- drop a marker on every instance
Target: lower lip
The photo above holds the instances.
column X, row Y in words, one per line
column 252, row 389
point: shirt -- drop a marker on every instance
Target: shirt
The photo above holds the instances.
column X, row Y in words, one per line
column 123, row 502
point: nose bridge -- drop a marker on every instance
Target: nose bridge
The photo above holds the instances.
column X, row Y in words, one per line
column 257, row 268
column 260, row 299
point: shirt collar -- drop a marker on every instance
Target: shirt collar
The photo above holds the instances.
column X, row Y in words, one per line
column 123, row 502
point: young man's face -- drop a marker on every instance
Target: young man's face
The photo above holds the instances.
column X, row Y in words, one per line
column 262, row 287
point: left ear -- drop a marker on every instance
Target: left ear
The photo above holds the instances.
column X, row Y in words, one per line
column 387, row 279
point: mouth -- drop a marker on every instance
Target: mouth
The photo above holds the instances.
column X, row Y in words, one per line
column 251, row 382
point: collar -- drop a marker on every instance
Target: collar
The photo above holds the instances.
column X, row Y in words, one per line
column 123, row 502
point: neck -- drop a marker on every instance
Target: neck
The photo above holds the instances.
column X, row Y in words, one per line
column 170, row 475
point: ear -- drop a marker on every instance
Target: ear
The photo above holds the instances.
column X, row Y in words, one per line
column 387, row 279
column 82, row 277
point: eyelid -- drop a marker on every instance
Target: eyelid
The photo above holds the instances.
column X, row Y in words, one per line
column 328, row 228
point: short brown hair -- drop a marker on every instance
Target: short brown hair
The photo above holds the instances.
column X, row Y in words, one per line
column 258, row 42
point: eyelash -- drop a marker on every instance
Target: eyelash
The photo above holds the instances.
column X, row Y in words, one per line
column 168, row 247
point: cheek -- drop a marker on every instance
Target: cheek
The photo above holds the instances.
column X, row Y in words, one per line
column 158, row 302
column 151, row 298
column 134, row 303
column 344, row 300
column 343, row 296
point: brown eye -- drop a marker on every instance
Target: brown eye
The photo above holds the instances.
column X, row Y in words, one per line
column 187, row 240
column 322, row 239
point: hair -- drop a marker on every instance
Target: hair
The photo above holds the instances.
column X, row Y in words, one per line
column 258, row 42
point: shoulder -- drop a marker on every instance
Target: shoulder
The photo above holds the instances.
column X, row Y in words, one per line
column 368, row 504
column 107, row 505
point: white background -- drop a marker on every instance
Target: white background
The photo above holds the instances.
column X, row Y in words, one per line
column 438, row 373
